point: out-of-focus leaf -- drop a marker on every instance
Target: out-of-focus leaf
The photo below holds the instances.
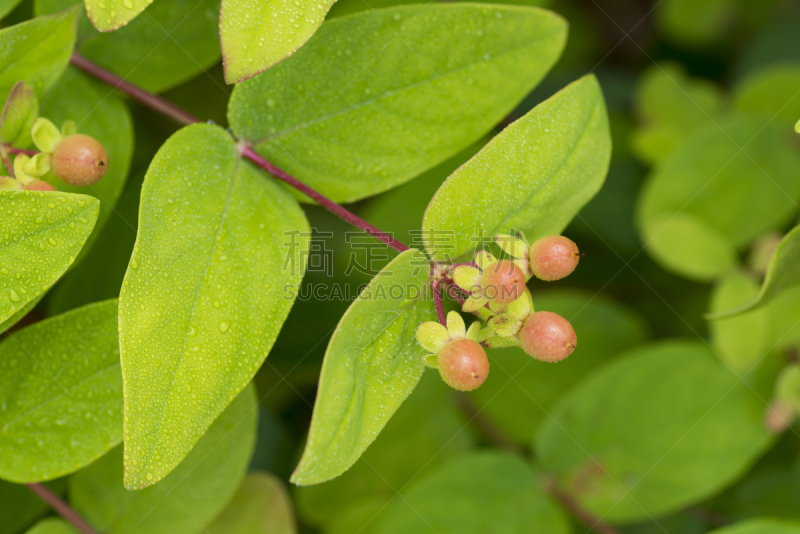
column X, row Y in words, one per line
column 36, row 51
column 260, row 506
column 726, row 185
column 52, row 526
column 532, row 177
column 670, row 105
column 186, row 500
column 108, row 15
column 60, row 394
column 664, row 426
column 520, row 391
column 741, row 341
column 695, row 22
column 771, row 92
column 6, row 6
column 19, row 112
column 375, row 99
column 426, row 430
column 256, row 34
column 476, row 493
column 771, row 493
column 372, row 364
column 761, row 526
column 21, row 506
column 219, row 255
column 99, row 112
column 40, row 236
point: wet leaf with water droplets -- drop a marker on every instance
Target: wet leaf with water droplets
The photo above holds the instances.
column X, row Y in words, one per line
column 60, row 394
column 372, row 364
column 257, row 34
column 214, row 272
column 260, row 506
column 374, row 99
column 186, row 500
column 108, row 15
column 30, row 221
column 37, row 51
column 533, row 177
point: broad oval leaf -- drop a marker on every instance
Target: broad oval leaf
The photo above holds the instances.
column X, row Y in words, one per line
column 761, row 526
column 186, row 500
column 99, row 112
column 36, row 51
column 770, row 92
column 41, row 234
column 372, row 364
column 261, row 506
column 52, row 526
column 664, row 426
column 474, row 494
column 735, row 179
column 60, row 394
column 533, row 177
column 213, row 275
column 374, row 99
column 256, row 34
column 19, row 112
column 21, row 313
column 520, row 391
column 783, row 273
column 108, row 15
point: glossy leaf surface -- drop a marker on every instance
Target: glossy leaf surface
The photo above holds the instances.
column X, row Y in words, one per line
column 108, row 15
column 205, row 293
column 372, row 364
column 374, row 99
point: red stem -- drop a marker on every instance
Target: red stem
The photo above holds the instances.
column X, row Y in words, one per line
column 12, row 150
column 63, row 509
column 171, row 110
column 437, row 301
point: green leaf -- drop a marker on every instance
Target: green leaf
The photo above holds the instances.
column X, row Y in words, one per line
column 695, row 23
column 99, row 112
column 256, row 34
column 671, row 105
column 6, row 6
column 36, row 51
column 21, row 313
column 52, row 526
column 261, row 506
column 426, row 430
column 520, row 391
column 375, row 99
column 186, row 500
column 21, row 506
column 215, row 268
column 173, row 42
column 771, row 492
column 770, row 92
column 372, row 364
column 19, row 113
column 60, row 394
column 726, row 185
column 761, row 526
column 474, row 494
column 108, row 15
column 660, row 428
column 742, row 341
column 532, row 177
column 40, row 236
column 783, row 273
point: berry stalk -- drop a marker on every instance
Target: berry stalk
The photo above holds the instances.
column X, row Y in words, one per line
column 169, row 109
column 12, row 150
column 62, row 508
column 437, row 301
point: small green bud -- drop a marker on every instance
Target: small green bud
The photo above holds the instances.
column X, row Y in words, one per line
column 38, row 165
column 45, row 135
column 9, row 183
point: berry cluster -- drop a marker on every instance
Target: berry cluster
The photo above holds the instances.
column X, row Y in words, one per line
column 495, row 291
column 77, row 159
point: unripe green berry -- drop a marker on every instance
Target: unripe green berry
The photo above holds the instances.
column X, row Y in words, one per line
column 80, row 160
column 553, row 257
column 39, row 185
column 547, row 336
column 503, row 281
column 463, row 364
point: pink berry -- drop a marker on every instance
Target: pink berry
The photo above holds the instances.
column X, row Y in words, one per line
column 80, row 160
column 503, row 282
column 39, row 185
column 463, row 364
column 547, row 336
column 553, row 257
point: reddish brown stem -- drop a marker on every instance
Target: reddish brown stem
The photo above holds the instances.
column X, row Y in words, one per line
column 62, row 508
column 12, row 150
column 582, row 514
column 171, row 110
column 437, row 301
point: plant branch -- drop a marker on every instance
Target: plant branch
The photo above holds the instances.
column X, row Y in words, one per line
column 437, row 301
column 169, row 109
column 584, row 515
column 63, row 509
column 12, row 150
